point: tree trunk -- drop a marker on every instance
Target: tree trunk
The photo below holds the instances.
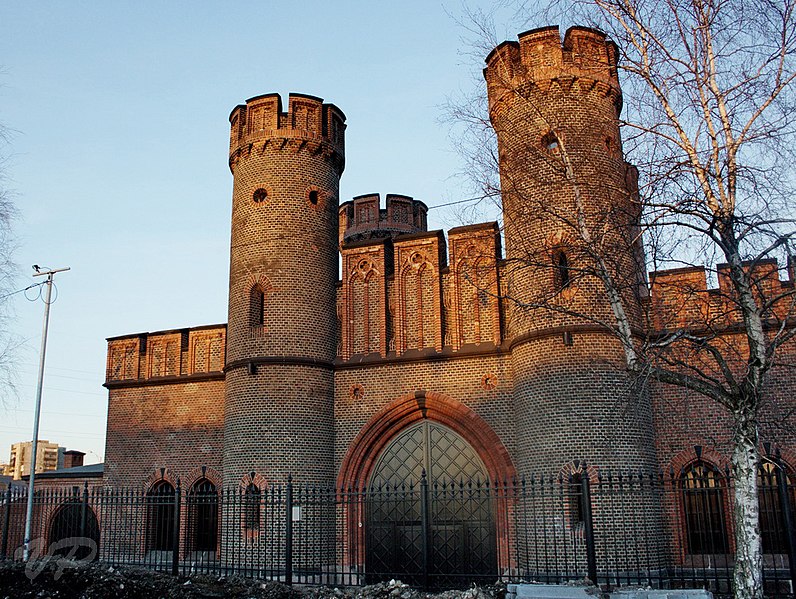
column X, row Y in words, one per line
column 748, row 575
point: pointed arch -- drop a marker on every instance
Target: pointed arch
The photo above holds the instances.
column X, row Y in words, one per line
column 413, row 407
column 259, row 289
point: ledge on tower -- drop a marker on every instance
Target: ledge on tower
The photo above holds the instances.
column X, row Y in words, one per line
column 362, row 218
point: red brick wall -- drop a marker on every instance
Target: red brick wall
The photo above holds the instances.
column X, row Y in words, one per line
column 176, row 426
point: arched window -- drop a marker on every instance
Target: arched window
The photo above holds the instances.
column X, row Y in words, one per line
column 562, row 268
column 251, row 508
column 703, row 489
column 257, row 306
column 772, row 522
column 203, row 516
column 160, row 516
column 575, row 498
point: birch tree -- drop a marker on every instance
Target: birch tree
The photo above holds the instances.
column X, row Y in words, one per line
column 8, row 341
column 709, row 121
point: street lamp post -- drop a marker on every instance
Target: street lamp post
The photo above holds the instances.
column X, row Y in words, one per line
column 47, row 300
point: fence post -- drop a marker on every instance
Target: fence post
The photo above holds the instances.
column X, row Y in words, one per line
column 787, row 517
column 424, row 525
column 4, row 550
column 84, row 510
column 289, row 531
column 588, row 525
column 175, row 553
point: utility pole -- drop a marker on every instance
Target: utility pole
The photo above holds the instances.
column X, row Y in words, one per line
column 47, row 300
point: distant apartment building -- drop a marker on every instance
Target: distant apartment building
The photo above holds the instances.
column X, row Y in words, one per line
column 49, row 456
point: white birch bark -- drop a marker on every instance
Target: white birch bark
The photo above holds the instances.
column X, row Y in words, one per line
column 748, row 555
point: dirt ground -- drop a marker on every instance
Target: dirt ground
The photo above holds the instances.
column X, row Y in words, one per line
column 93, row 581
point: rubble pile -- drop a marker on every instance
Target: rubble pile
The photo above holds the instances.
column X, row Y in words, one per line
column 55, row 579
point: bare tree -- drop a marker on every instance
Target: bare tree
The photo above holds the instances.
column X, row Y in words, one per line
column 709, row 120
column 9, row 343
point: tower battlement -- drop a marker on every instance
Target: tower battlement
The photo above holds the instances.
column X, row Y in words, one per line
column 309, row 124
column 540, row 57
column 681, row 297
column 361, row 217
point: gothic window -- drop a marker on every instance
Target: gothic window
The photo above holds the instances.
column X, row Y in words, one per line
column 160, row 516
column 772, row 523
column 563, row 270
column 703, row 491
column 257, row 306
column 251, row 504
column 203, row 516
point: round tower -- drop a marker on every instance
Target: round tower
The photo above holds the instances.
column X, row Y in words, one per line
column 567, row 192
column 281, row 336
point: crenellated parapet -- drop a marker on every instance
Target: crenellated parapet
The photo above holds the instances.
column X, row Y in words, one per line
column 680, row 298
column 586, row 59
column 363, row 218
column 399, row 295
column 308, row 125
column 165, row 355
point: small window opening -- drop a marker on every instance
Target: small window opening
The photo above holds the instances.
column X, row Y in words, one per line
column 252, row 507
column 575, row 499
column 314, row 197
column 563, row 271
column 550, row 143
column 257, row 306
column 259, row 195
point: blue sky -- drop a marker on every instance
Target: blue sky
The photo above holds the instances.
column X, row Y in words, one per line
column 118, row 160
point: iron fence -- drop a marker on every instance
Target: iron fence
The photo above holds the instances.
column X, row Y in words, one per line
column 665, row 530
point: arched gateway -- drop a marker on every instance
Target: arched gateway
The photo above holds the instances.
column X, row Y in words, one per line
column 431, row 517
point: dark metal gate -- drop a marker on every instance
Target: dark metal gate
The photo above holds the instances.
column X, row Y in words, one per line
column 425, row 525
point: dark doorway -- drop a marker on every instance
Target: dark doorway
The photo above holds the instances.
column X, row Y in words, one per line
column 436, row 530
column 160, row 516
column 203, row 516
column 74, row 531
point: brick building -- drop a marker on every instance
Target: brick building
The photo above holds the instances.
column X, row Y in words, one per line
column 421, row 354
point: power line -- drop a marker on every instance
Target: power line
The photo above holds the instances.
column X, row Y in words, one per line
column 476, row 199
column 66, row 369
column 2, row 297
column 65, row 390
column 51, row 430
column 64, row 413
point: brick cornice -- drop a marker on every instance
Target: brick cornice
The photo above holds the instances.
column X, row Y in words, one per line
column 425, row 355
column 165, row 380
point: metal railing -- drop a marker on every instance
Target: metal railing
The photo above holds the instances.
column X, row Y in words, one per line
column 662, row 530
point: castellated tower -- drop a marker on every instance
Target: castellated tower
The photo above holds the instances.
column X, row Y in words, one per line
column 281, row 335
column 567, row 190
